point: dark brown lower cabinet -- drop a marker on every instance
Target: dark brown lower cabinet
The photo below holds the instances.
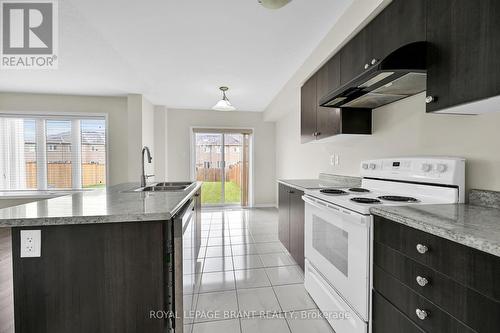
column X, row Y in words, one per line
column 284, row 215
column 297, row 227
column 447, row 288
column 387, row 318
column 102, row 277
column 291, row 222
column 91, row 278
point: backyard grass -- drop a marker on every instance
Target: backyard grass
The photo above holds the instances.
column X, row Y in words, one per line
column 211, row 192
column 95, row 186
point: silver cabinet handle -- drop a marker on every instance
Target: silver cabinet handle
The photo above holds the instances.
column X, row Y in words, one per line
column 422, row 248
column 421, row 314
column 367, row 66
column 374, row 61
column 429, row 99
column 422, row 282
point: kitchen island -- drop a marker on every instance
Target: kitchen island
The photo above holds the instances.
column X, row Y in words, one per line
column 104, row 264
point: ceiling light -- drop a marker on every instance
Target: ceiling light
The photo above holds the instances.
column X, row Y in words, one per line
column 224, row 104
column 273, row 4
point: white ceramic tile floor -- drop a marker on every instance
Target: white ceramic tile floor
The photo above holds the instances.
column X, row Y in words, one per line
column 246, row 272
column 218, row 251
column 294, row 297
column 248, row 261
column 285, row 275
column 277, row 259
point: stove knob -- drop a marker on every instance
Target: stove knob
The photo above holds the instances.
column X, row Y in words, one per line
column 373, row 166
column 426, row 167
column 365, row 166
column 441, row 168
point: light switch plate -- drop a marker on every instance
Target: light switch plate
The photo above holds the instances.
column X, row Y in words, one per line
column 31, row 243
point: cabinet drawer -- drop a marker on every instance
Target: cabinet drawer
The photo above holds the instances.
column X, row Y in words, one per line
column 472, row 268
column 386, row 318
column 475, row 310
column 408, row 302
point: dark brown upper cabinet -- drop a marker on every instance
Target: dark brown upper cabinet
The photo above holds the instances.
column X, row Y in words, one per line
column 320, row 122
column 308, row 109
column 354, row 57
column 463, row 62
column 400, row 23
column 327, row 79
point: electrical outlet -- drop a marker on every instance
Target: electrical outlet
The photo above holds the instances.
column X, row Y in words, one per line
column 31, row 243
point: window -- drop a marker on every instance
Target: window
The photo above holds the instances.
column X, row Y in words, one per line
column 52, row 152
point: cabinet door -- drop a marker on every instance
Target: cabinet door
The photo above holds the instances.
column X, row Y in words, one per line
column 328, row 79
column 353, row 57
column 463, row 55
column 308, row 106
column 401, row 23
column 297, row 227
column 284, row 220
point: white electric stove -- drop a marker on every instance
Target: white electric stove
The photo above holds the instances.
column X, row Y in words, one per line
column 338, row 229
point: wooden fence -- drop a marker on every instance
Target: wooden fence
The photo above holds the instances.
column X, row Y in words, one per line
column 59, row 175
column 233, row 174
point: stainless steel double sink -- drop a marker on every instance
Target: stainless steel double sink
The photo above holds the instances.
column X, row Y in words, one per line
column 165, row 187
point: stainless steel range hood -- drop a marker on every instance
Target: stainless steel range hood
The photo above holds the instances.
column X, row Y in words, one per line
column 399, row 75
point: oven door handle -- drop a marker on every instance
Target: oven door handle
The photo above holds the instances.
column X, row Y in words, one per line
column 319, row 204
column 324, row 206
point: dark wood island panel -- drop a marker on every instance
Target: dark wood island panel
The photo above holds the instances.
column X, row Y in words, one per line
column 92, row 278
column 6, row 283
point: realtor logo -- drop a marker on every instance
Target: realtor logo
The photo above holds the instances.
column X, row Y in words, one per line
column 29, row 34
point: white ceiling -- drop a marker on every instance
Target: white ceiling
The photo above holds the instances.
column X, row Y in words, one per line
column 177, row 53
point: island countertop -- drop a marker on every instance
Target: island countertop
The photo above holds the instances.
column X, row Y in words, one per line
column 474, row 226
column 114, row 204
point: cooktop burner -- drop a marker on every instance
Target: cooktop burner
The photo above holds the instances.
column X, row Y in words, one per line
column 397, row 198
column 332, row 191
column 359, row 190
column 366, row 200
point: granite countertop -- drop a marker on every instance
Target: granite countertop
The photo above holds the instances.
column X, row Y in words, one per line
column 474, row 226
column 324, row 180
column 114, row 204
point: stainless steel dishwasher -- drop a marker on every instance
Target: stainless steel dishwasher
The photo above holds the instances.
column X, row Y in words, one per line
column 182, row 252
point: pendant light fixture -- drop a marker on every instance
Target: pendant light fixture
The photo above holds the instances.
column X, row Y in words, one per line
column 273, row 4
column 224, row 104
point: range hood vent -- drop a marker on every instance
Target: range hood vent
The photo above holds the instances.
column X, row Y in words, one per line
column 399, row 75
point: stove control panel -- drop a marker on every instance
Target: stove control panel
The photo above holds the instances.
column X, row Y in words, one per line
column 438, row 170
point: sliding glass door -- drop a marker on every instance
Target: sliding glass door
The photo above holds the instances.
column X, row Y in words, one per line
column 222, row 163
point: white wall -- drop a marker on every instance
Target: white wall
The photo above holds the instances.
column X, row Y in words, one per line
column 178, row 138
column 148, row 134
column 114, row 107
column 399, row 129
column 160, row 140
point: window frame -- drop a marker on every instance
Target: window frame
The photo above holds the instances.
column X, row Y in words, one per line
column 63, row 116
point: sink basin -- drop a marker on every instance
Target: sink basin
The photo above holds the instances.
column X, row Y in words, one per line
column 165, row 187
column 168, row 184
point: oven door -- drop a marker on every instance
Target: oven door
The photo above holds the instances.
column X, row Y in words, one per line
column 337, row 244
